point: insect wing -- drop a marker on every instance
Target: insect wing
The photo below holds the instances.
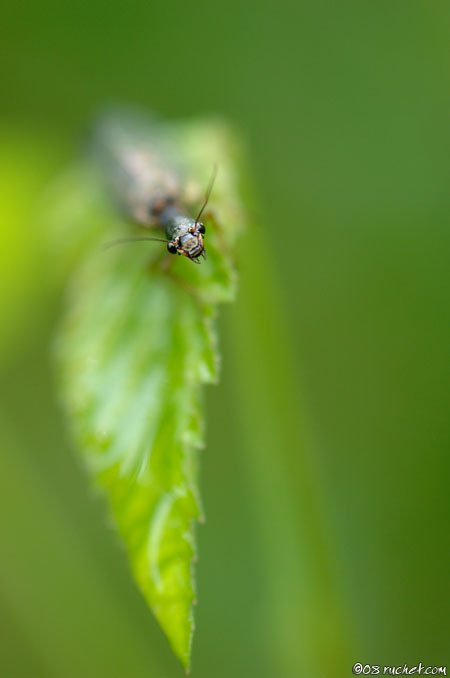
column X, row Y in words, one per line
column 136, row 162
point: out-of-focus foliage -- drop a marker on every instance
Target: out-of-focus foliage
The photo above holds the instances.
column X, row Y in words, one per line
column 324, row 476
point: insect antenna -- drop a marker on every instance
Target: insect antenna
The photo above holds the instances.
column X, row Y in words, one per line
column 121, row 241
column 208, row 192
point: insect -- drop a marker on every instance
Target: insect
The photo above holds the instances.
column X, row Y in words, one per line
column 146, row 186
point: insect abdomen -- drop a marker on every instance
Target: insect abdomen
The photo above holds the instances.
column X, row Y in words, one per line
column 135, row 165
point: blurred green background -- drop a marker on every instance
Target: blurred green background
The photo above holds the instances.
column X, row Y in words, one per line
column 325, row 477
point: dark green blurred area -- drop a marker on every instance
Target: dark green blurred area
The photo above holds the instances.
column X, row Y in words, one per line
column 325, row 477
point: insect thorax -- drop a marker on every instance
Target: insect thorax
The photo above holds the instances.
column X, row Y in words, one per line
column 176, row 225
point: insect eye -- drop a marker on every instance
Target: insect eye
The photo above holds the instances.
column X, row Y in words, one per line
column 171, row 247
column 201, row 228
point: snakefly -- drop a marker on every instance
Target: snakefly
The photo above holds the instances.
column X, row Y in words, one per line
column 145, row 185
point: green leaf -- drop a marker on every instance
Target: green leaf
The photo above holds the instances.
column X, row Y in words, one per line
column 135, row 347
